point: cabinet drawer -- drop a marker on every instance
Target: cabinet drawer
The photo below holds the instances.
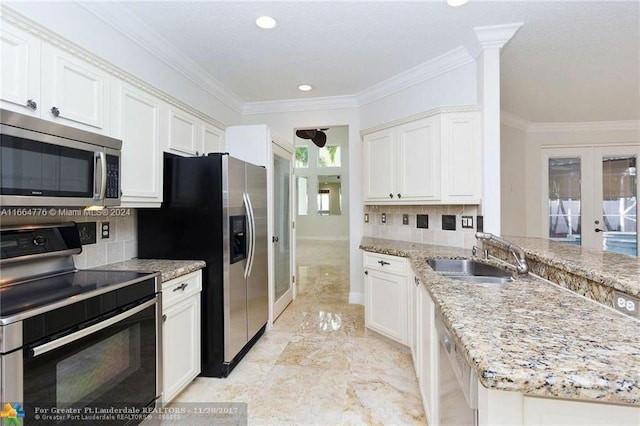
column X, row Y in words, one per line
column 383, row 262
column 181, row 288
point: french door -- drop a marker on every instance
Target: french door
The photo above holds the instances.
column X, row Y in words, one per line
column 590, row 197
column 283, row 237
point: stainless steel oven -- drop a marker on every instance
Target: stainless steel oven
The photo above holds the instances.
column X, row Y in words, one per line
column 47, row 164
column 76, row 346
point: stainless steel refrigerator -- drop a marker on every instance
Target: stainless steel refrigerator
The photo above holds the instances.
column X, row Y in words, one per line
column 215, row 209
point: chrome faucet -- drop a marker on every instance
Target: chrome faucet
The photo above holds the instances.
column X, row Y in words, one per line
column 515, row 250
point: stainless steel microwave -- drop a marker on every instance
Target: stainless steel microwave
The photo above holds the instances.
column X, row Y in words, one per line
column 47, row 164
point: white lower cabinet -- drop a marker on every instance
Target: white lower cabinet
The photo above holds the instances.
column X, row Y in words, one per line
column 385, row 293
column 427, row 353
column 180, row 333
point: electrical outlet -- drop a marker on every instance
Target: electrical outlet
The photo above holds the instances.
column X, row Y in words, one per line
column 366, row 218
column 405, row 219
column 422, row 221
column 383, row 218
column 467, row 222
column 104, row 230
column 626, row 304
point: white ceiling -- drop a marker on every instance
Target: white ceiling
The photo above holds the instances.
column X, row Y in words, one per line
column 572, row 61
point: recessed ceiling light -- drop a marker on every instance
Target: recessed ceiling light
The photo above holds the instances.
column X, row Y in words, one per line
column 304, row 87
column 266, row 22
column 456, row 3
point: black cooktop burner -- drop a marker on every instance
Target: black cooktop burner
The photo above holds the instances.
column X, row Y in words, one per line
column 72, row 286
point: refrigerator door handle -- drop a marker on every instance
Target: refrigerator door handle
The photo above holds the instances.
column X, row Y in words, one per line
column 245, row 203
column 252, row 236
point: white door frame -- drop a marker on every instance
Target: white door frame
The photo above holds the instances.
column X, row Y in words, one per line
column 280, row 304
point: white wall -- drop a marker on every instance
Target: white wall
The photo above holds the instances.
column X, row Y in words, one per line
column 75, row 23
column 330, row 227
column 285, row 124
column 456, row 87
column 513, row 146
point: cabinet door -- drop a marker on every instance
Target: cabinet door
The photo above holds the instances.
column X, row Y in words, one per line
column 181, row 346
column 212, row 139
column 136, row 120
column 418, row 161
column 182, row 133
column 386, row 304
column 19, row 70
column 74, row 92
column 461, row 157
column 379, row 166
column 428, row 354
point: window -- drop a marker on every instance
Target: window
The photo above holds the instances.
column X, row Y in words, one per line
column 324, row 196
column 302, row 157
column 303, row 195
column 329, row 156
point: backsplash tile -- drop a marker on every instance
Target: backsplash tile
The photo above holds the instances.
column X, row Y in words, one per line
column 121, row 245
column 395, row 230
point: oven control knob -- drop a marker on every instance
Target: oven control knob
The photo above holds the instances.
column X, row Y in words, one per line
column 39, row 240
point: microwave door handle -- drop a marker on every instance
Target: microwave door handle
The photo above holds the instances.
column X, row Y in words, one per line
column 249, row 237
column 100, row 189
column 69, row 338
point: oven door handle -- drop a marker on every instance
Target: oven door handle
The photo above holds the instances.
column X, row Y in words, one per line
column 69, row 338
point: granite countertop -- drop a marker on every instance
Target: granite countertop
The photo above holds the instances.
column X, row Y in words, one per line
column 531, row 336
column 610, row 269
column 169, row 269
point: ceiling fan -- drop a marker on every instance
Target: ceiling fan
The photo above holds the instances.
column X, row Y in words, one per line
column 317, row 136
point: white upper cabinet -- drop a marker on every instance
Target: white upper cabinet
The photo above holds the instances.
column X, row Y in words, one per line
column 183, row 133
column 19, row 70
column 461, row 158
column 432, row 160
column 74, row 92
column 380, row 165
column 212, row 139
column 418, row 161
column 138, row 119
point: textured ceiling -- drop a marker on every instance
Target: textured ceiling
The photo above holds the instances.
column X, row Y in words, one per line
column 571, row 61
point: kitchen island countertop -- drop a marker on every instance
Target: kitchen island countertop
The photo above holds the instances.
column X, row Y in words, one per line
column 531, row 336
column 169, row 269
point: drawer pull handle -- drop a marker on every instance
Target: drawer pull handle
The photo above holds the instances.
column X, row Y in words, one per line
column 164, row 318
column 416, row 280
column 181, row 287
column 382, row 263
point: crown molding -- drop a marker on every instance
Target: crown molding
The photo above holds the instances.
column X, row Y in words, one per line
column 515, row 121
column 425, row 114
column 51, row 37
column 307, row 104
column 449, row 61
column 589, row 126
column 491, row 37
column 446, row 62
column 118, row 17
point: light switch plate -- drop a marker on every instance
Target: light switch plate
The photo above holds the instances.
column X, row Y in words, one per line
column 366, row 218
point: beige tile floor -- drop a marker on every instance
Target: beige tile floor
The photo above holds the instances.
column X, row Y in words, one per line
column 317, row 365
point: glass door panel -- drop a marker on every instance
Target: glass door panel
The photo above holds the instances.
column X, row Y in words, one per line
column 282, row 247
column 619, row 205
column 564, row 199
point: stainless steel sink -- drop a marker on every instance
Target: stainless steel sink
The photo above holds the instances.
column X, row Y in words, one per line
column 470, row 271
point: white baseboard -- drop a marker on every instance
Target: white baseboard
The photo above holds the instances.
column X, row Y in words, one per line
column 356, row 298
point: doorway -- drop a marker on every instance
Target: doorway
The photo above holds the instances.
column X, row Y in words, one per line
column 590, row 197
column 284, row 232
